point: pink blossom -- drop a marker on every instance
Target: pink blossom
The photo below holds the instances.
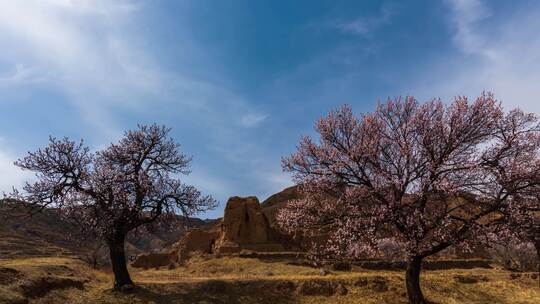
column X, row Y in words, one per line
column 421, row 176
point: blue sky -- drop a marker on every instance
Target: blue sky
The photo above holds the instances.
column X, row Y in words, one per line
column 240, row 81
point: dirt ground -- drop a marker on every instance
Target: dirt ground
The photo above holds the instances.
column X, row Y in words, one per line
column 206, row 280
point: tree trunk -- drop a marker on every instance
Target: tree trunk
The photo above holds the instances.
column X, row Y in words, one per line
column 118, row 262
column 412, row 280
column 537, row 246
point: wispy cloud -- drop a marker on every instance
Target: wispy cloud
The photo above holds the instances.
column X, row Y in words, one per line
column 499, row 55
column 94, row 53
column 96, row 7
column 466, row 17
column 81, row 48
column 252, row 120
column 10, row 176
column 365, row 25
column 21, row 74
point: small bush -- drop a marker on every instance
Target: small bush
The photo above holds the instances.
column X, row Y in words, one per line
column 285, row 286
column 378, row 284
column 215, row 286
column 317, row 288
column 41, row 286
column 470, row 279
column 361, row 282
column 341, row 266
column 342, row 290
column 8, row 275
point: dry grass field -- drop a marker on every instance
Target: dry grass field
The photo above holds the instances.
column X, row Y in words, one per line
column 246, row 280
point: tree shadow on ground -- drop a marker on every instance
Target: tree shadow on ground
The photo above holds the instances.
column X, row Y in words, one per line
column 214, row 292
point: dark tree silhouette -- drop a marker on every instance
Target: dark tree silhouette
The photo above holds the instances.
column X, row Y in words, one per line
column 124, row 187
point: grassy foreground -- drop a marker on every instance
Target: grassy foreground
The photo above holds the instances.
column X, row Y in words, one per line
column 243, row 280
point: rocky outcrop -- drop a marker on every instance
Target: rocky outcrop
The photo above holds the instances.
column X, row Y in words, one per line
column 196, row 240
column 245, row 226
column 244, row 222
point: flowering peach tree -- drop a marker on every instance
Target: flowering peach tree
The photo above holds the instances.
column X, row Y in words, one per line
column 416, row 177
column 119, row 189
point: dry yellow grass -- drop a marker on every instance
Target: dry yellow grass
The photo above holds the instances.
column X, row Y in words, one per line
column 241, row 280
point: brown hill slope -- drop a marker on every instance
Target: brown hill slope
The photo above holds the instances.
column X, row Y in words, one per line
column 272, row 204
column 47, row 234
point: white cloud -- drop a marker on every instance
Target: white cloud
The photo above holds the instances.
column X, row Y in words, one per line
column 21, row 74
column 10, row 175
column 83, row 48
column 97, row 54
column 100, row 7
column 502, row 56
column 363, row 26
column 465, row 18
column 252, row 120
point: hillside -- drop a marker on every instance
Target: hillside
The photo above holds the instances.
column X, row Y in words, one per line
column 46, row 234
column 272, row 204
